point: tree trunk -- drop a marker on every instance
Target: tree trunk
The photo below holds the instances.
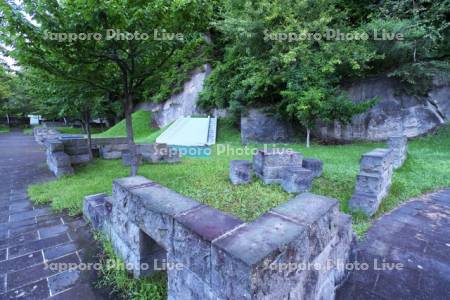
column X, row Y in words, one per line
column 7, row 120
column 308, row 134
column 130, row 135
column 87, row 119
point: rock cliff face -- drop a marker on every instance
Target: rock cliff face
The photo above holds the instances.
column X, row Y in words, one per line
column 179, row 105
column 394, row 114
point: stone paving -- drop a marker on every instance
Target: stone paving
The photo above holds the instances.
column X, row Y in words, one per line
column 31, row 237
column 417, row 235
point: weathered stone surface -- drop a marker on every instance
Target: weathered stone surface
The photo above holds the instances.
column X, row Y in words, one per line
column 216, row 256
column 112, row 151
column 127, row 158
column 373, row 182
column 269, row 164
column 297, row 180
column 240, row 171
column 59, row 163
column 399, row 147
column 313, row 164
column 193, row 234
column 179, row 105
column 259, row 127
column 94, row 210
column 394, row 114
column 159, row 153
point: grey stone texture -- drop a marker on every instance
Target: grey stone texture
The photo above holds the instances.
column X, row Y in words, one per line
column 216, row 256
column 179, row 105
column 297, row 180
column 399, row 148
column 159, row 153
column 240, row 172
column 313, row 164
column 257, row 126
column 57, row 160
column 373, row 182
column 127, row 158
column 394, row 114
column 269, row 164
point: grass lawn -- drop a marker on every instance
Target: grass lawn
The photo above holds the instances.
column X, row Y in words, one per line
column 206, row 179
column 4, row 129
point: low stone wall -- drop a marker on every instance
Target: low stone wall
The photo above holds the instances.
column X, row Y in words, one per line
column 288, row 168
column 43, row 133
column 399, row 147
column 214, row 255
column 57, row 160
column 373, row 182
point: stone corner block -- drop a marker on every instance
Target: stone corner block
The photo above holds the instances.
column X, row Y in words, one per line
column 240, row 172
column 95, row 210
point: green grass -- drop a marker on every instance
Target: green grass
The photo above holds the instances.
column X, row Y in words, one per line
column 206, row 179
column 114, row 276
column 141, row 129
column 4, row 129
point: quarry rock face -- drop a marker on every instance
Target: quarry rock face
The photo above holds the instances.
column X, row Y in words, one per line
column 395, row 114
column 179, row 105
column 260, row 127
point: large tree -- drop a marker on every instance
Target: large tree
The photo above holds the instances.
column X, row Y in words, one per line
column 117, row 46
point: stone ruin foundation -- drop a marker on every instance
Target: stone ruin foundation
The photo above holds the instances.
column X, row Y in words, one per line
column 375, row 177
column 216, row 255
column 64, row 151
column 278, row 166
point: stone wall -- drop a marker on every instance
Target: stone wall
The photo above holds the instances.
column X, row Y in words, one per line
column 214, row 255
column 43, row 133
column 373, row 181
column 399, row 147
column 58, row 161
column 257, row 126
column 394, row 114
column 375, row 177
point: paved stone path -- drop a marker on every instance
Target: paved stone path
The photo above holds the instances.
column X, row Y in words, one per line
column 417, row 235
column 32, row 236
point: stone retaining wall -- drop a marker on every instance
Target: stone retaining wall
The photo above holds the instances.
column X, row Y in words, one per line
column 373, row 181
column 217, row 256
column 375, row 177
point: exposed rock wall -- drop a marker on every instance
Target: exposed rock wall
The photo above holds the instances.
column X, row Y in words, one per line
column 260, row 127
column 394, row 114
column 216, row 256
column 180, row 105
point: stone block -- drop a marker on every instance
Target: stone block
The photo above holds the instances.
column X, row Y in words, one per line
column 399, row 147
column 240, row 172
column 313, row 164
column 248, row 263
column 297, row 180
column 94, row 210
column 127, row 158
column 373, row 182
column 80, row 159
column 193, row 234
column 112, row 151
column 159, row 153
column 270, row 164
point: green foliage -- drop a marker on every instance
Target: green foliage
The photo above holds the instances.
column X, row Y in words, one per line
column 115, row 277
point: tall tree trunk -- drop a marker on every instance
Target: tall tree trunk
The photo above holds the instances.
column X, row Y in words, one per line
column 130, row 135
column 7, row 120
column 87, row 120
column 308, row 135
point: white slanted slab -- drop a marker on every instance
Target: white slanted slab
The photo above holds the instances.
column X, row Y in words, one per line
column 189, row 131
